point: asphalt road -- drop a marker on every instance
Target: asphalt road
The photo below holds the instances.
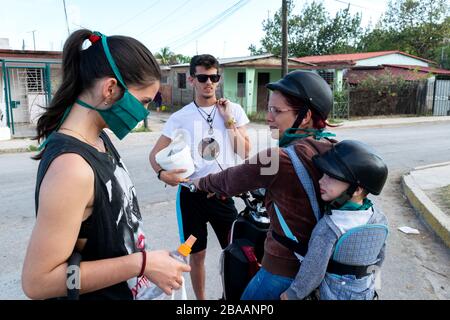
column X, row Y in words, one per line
column 416, row 267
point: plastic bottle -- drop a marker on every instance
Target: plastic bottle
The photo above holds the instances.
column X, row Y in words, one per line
column 181, row 255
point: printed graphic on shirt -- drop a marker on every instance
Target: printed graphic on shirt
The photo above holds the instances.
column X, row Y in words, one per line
column 128, row 220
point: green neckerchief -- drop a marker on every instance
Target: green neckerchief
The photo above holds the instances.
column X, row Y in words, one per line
column 290, row 135
column 352, row 206
column 64, row 117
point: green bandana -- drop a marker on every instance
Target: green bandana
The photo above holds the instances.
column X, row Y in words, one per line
column 352, row 206
column 290, row 135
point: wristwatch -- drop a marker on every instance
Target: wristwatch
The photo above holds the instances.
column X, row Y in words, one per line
column 230, row 122
column 159, row 173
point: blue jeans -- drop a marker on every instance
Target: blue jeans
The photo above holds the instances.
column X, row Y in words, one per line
column 266, row 286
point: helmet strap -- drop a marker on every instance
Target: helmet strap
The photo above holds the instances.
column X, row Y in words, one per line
column 301, row 115
column 342, row 199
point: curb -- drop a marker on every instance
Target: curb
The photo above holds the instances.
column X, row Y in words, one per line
column 350, row 125
column 435, row 218
column 15, row 150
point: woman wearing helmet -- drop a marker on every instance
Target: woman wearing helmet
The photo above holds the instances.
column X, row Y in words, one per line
column 342, row 266
column 297, row 113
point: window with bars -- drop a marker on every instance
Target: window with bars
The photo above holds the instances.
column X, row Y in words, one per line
column 35, row 80
column 241, row 84
column 182, row 80
column 328, row 76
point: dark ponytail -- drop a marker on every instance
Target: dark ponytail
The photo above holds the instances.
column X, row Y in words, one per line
column 81, row 68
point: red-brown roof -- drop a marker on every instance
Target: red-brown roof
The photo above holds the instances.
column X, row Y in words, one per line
column 420, row 69
column 351, row 58
column 29, row 54
column 409, row 73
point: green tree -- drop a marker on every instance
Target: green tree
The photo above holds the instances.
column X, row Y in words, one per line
column 167, row 57
column 164, row 55
column 417, row 27
column 311, row 32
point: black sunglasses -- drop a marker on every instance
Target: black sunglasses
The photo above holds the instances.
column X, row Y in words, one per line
column 204, row 77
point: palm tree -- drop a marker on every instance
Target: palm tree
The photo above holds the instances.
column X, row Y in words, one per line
column 165, row 55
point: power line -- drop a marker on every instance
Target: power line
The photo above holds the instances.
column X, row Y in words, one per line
column 136, row 15
column 208, row 26
column 156, row 24
column 67, row 20
column 355, row 5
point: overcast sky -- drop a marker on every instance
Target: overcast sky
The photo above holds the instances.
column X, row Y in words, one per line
column 224, row 28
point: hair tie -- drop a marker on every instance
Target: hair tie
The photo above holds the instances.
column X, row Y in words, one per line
column 94, row 38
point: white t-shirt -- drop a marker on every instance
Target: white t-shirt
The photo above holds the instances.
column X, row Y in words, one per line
column 193, row 122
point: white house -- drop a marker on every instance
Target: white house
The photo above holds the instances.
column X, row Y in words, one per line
column 333, row 67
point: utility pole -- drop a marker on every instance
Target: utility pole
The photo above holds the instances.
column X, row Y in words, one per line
column 34, row 39
column 284, row 32
column 67, row 20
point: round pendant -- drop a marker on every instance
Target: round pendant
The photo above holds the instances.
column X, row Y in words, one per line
column 211, row 131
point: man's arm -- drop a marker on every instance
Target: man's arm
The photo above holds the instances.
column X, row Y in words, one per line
column 240, row 140
column 238, row 135
column 172, row 177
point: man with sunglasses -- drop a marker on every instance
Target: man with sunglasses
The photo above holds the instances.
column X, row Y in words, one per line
column 218, row 140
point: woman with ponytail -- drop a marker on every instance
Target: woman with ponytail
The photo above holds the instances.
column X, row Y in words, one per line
column 86, row 204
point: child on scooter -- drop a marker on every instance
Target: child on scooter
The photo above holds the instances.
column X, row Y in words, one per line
column 348, row 243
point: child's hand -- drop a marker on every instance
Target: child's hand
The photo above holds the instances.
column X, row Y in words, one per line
column 284, row 296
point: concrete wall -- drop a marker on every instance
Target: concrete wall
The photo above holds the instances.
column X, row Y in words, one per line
column 394, row 58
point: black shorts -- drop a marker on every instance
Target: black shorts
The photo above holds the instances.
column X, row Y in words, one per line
column 197, row 210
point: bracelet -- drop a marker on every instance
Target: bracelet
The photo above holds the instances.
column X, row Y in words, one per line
column 159, row 173
column 144, row 263
column 230, row 123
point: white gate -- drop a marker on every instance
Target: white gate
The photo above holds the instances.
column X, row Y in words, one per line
column 441, row 101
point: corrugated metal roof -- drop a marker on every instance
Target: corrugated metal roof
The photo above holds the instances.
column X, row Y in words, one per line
column 226, row 61
column 351, row 58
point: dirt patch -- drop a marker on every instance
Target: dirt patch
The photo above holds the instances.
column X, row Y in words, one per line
column 441, row 197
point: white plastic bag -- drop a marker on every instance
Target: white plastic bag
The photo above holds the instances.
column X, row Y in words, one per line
column 177, row 155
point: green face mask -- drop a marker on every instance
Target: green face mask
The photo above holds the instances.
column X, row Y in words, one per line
column 291, row 135
column 126, row 113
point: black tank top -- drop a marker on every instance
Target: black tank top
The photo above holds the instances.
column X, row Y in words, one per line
column 115, row 227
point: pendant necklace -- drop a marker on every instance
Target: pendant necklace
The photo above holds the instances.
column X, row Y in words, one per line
column 208, row 117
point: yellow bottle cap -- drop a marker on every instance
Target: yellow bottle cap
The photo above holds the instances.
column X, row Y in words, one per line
column 186, row 248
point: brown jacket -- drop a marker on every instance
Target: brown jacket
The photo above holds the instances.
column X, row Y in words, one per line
column 285, row 189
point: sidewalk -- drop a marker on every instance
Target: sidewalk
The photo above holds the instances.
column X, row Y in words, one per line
column 418, row 185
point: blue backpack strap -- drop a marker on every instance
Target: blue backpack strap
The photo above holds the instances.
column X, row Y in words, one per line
column 305, row 180
column 284, row 225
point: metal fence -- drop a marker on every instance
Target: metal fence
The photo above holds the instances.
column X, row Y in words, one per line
column 424, row 97
column 28, row 88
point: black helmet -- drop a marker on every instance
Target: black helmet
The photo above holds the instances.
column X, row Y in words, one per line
column 308, row 86
column 356, row 163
